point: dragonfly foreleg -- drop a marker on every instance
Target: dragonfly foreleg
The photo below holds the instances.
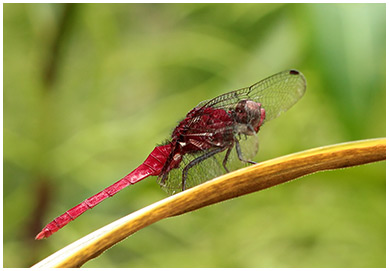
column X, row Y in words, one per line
column 196, row 161
column 239, row 152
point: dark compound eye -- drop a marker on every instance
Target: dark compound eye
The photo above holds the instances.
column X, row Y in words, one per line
column 294, row 72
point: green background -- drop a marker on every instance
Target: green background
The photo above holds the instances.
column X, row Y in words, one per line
column 90, row 89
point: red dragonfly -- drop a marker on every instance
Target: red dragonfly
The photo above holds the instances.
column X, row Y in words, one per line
column 207, row 135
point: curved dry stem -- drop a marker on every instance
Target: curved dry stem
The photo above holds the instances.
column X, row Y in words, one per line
column 234, row 184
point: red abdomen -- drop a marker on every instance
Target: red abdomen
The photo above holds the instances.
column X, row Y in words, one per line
column 152, row 166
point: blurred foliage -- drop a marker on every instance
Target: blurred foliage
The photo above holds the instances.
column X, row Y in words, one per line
column 89, row 89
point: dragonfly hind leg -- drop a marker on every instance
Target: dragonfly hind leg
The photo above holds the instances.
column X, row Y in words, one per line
column 195, row 162
column 225, row 160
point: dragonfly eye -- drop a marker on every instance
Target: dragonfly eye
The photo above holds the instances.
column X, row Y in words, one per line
column 240, row 112
column 248, row 114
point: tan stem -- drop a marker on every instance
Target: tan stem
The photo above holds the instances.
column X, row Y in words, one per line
column 234, row 184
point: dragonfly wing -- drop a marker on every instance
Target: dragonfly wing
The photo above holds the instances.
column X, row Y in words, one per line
column 279, row 92
column 199, row 173
column 210, row 168
column 276, row 94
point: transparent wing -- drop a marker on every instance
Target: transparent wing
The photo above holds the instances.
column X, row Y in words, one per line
column 209, row 168
column 276, row 93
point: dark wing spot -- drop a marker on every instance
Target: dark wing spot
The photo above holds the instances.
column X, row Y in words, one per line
column 295, row 72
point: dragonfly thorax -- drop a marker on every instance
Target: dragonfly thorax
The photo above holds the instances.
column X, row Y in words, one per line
column 248, row 116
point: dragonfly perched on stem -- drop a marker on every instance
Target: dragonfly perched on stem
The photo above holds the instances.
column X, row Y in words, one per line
column 202, row 145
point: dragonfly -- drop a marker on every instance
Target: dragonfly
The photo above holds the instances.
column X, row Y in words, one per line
column 216, row 136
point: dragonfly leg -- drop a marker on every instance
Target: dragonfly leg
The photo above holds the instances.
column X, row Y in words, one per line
column 163, row 178
column 195, row 162
column 239, row 152
column 226, row 158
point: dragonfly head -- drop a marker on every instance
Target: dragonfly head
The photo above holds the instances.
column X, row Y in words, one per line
column 249, row 117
